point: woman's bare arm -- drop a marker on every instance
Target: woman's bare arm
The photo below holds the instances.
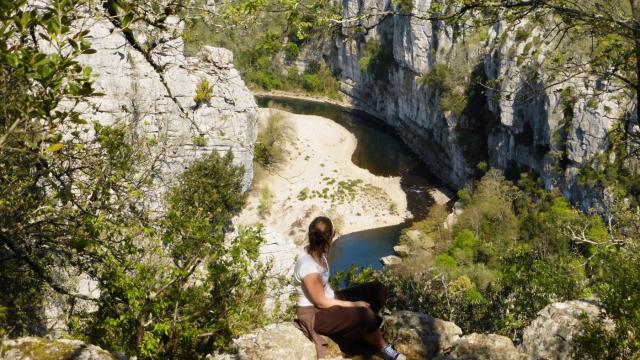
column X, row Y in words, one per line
column 314, row 289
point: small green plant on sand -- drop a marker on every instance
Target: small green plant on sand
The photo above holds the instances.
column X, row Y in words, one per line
column 266, row 201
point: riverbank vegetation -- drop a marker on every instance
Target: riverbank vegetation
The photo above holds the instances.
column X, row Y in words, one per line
column 272, row 138
column 513, row 249
column 268, row 48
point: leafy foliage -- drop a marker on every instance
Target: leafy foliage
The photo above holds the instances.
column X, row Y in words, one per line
column 204, row 91
column 262, row 33
column 377, row 58
column 79, row 199
column 616, row 280
column 513, row 250
column 404, row 6
column 272, row 137
column 452, row 95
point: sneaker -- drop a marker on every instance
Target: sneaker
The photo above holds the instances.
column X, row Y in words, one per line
column 389, row 353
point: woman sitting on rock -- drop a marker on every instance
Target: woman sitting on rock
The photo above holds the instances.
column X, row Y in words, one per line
column 346, row 316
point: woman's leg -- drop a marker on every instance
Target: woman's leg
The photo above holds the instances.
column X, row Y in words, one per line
column 372, row 292
column 375, row 338
column 349, row 323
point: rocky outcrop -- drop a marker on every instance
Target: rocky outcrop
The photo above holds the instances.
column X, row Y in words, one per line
column 154, row 94
column 279, row 253
column 390, row 260
column 417, row 335
column 484, row 347
column 529, row 124
column 273, row 342
column 39, row 348
column 550, row 335
column 420, row 336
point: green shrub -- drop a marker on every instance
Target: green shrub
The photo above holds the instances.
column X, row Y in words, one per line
column 452, row 96
column 266, row 201
column 303, row 194
column 313, row 67
column 272, row 138
column 291, row 51
column 199, row 140
column 616, row 334
column 439, row 78
column 498, row 270
column 264, row 79
column 377, row 58
column 404, row 6
column 454, row 103
column 204, row 92
column 521, row 34
column 311, row 82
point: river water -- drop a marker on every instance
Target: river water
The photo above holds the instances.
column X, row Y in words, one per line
column 381, row 151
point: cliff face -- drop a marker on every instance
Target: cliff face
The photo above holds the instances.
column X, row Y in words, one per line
column 518, row 118
column 153, row 95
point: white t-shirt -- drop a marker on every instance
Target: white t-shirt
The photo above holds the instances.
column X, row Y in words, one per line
column 307, row 265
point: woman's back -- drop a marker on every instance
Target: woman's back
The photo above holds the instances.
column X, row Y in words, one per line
column 306, row 265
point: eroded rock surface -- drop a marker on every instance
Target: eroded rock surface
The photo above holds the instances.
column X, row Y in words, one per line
column 39, row 348
column 273, row 342
column 151, row 93
column 155, row 95
column 420, row 336
column 550, row 335
column 484, row 347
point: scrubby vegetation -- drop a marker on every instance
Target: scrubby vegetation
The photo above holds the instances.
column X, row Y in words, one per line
column 404, row 6
column 272, row 138
column 79, row 198
column 260, row 45
column 266, row 201
column 204, row 91
column 513, row 250
column 450, row 87
column 377, row 58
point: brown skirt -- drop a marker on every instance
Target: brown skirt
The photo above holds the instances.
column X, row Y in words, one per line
column 344, row 323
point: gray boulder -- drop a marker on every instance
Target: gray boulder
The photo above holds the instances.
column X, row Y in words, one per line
column 402, row 250
column 390, row 260
column 41, row 348
column 550, row 335
column 420, row 336
column 273, row 342
column 485, row 347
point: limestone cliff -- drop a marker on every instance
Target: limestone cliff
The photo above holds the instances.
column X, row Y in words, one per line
column 152, row 93
column 518, row 119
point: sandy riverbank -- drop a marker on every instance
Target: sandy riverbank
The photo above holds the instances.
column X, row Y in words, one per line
column 317, row 177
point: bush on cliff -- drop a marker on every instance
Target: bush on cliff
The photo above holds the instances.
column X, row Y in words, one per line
column 79, row 198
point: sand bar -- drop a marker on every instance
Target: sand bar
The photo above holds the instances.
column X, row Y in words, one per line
column 317, row 177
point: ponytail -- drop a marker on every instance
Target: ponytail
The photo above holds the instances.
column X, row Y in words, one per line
column 320, row 237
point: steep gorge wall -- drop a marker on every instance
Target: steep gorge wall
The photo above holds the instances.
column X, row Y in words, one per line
column 530, row 124
column 153, row 96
